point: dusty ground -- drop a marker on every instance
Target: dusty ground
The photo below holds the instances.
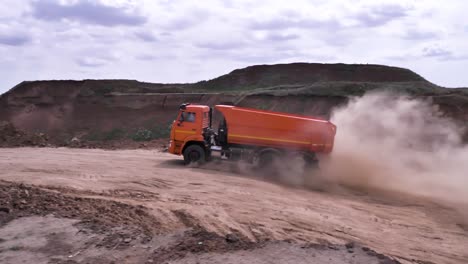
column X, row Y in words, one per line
column 136, row 206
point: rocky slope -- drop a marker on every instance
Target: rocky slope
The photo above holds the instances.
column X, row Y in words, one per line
column 116, row 109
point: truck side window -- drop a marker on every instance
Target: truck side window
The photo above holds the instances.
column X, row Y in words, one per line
column 187, row 117
column 190, row 117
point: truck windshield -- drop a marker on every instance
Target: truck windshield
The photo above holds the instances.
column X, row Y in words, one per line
column 187, row 117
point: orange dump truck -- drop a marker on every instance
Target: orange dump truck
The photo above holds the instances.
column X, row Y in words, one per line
column 248, row 134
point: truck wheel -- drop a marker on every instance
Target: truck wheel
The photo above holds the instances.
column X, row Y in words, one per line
column 266, row 160
column 311, row 161
column 267, row 164
column 194, row 154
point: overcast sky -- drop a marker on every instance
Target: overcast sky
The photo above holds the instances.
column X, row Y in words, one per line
column 187, row 41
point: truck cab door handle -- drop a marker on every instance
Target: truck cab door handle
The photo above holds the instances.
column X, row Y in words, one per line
column 193, row 129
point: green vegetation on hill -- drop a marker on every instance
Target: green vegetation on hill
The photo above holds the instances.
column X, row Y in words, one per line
column 305, row 73
column 142, row 133
column 352, row 89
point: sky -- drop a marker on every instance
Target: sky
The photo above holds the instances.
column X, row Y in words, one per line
column 179, row 41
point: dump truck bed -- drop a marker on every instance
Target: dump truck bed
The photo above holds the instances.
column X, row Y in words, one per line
column 254, row 127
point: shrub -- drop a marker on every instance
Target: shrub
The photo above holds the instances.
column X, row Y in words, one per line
column 113, row 134
column 147, row 134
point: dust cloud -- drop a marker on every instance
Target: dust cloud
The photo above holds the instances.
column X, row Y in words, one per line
column 398, row 143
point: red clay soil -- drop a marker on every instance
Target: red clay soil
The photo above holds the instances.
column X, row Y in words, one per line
column 120, row 227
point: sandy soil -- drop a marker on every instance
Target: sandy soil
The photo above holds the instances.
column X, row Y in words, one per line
column 147, row 207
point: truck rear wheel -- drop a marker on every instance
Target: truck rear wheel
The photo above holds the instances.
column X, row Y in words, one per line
column 311, row 161
column 194, row 154
column 267, row 163
column 266, row 160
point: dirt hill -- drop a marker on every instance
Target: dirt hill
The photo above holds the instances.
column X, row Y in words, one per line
column 260, row 76
column 106, row 110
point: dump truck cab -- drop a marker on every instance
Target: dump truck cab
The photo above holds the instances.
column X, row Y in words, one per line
column 189, row 128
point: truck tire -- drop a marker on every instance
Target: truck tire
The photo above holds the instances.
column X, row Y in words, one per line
column 267, row 164
column 266, row 159
column 311, row 161
column 194, row 154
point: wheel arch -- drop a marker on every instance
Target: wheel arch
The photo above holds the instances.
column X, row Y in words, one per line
column 262, row 151
column 192, row 142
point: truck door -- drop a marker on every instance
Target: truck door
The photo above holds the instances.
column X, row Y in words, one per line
column 188, row 123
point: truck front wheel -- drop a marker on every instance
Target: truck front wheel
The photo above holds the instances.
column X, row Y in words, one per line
column 194, row 154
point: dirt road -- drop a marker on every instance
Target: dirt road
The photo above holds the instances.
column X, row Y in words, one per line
column 272, row 221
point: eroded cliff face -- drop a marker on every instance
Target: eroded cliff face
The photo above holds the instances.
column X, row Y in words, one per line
column 75, row 114
column 108, row 110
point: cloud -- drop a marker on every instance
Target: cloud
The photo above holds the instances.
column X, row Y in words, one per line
column 253, row 55
column 442, row 54
column 153, row 57
column 91, row 62
column 282, row 23
column 180, row 23
column 146, row 57
column 84, row 11
column 14, row 39
column 413, row 34
column 186, row 19
column 221, row 45
column 436, row 52
column 430, row 52
column 403, row 58
column 146, row 36
column 281, row 37
column 380, row 15
column 97, row 57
